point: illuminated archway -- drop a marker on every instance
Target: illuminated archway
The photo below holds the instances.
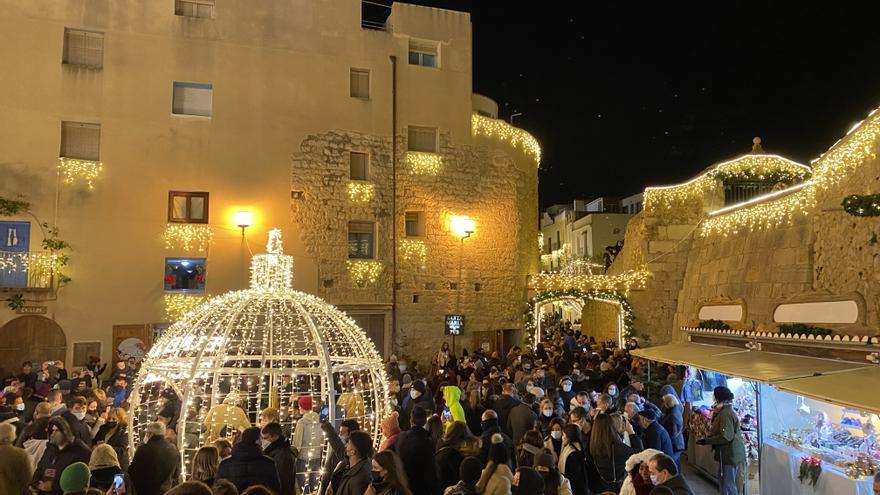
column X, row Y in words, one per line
column 533, row 315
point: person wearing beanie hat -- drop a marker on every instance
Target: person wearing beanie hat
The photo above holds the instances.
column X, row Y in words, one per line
column 469, row 472
column 416, row 397
column 654, row 436
column 308, row 440
column 496, row 478
column 248, row 466
column 104, row 465
column 566, row 391
column 390, row 430
column 726, row 438
column 75, row 478
column 527, row 481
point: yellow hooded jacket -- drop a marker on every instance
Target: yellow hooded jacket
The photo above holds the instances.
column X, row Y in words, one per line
column 452, row 394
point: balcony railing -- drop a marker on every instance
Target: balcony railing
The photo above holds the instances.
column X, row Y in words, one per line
column 27, row 270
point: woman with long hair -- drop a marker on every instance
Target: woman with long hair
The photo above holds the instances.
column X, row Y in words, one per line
column 435, row 428
column 115, row 434
column 530, row 446
column 456, row 444
column 547, row 414
column 553, row 440
column 609, row 453
column 573, row 459
column 625, row 429
column 554, row 482
column 205, row 464
column 497, row 477
column 389, row 478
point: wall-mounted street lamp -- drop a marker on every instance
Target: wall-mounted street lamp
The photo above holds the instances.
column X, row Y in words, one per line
column 243, row 219
column 462, row 226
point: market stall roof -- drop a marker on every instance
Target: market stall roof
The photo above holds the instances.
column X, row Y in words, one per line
column 853, row 389
column 759, row 366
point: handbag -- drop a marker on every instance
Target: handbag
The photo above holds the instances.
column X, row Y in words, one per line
column 612, row 485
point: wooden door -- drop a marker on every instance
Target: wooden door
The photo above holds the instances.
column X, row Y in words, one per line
column 31, row 338
column 141, row 336
column 374, row 326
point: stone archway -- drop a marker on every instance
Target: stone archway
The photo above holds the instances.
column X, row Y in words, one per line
column 624, row 311
column 31, row 338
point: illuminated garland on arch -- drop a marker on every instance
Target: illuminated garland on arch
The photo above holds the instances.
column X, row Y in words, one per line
column 593, row 295
column 550, row 282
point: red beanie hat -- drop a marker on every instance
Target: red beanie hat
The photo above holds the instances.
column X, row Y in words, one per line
column 305, row 403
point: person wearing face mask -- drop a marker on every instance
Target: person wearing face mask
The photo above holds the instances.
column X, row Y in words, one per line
column 352, row 475
column 573, row 459
column 387, row 475
column 566, row 392
column 638, row 479
column 114, row 432
column 278, row 449
column 247, row 466
column 524, row 372
column 416, row 397
column 336, row 450
column 75, row 417
column 548, row 414
column 553, row 439
column 490, row 427
column 62, row 450
column 665, row 477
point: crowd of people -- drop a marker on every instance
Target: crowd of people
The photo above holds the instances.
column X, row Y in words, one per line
column 572, row 416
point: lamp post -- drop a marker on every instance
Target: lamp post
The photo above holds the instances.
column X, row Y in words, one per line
column 243, row 220
column 463, row 227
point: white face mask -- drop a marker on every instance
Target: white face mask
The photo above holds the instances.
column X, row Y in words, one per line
column 264, row 444
column 654, row 480
column 556, row 434
column 79, row 415
column 415, row 394
column 548, row 412
column 19, row 407
column 566, row 387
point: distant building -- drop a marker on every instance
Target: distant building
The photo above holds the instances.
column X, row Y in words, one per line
column 581, row 230
column 632, row 204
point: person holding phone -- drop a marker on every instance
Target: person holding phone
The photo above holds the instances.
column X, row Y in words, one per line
column 104, row 465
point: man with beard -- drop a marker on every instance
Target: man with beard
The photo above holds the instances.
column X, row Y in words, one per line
column 63, row 450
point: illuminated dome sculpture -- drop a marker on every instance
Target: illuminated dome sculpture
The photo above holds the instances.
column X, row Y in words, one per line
column 267, row 346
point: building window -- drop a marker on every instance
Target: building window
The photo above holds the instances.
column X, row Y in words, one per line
column 360, row 83
column 193, row 99
column 361, row 240
column 81, row 140
column 85, row 48
column 415, row 224
column 424, row 53
column 194, row 8
column 185, row 274
column 187, row 207
column 359, row 164
column 422, row 139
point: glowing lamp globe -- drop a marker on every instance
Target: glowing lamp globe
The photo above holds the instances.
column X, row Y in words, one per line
column 265, row 347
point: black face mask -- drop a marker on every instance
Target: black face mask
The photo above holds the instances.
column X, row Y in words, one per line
column 489, row 423
column 377, row 478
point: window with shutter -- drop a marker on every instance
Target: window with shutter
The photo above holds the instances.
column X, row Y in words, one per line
column 360, row 83
column 361, row 240
column 85, row 48
column 424, row 53
column 187, row 207
column 422, row 139
column 194, row 8
column 193, row 99
column 415, row 224
column 81, row 140
column 359, row 163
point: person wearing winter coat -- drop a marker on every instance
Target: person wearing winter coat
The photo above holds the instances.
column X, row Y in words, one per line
column 390, row 430
column 456, row 444
column 666, row 476
column 155, row 468
column 609, row 453
column 469, row 475
column 279, row 450
column 521, row 418
column 490, row 427
column 248, row 466
column 353, row 474
column 554, row 482
column 553, row 440
column 452, row 396
column 62, row 450
column 726, row 438
column 388, row 477
column 496, row 478
column 336, row 447
column 654, row 436
column 566, row 391
column 416, row 397
column 308, row 441
column 15, row 467
column 633, row 465
column 416, row 449
column 104, row 466
column 673, row 421
column 573, row 459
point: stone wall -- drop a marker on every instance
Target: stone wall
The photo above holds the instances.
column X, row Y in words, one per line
column 599, row 319
column 482, row 277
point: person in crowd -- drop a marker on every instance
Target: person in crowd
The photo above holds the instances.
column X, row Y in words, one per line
column 626, row 431
column 456, row 444
column 469, row 475
column 224, row 448
column 336, row 450
column 155, row 467
column 308, row 441
column 490, row 427
column 114, row 432
column 654, row 436
column 581, row 418
column 638, row 479
column 74, row 479
column 573, row 459
column 527, row 481
column 673, row 421
column 553, row 439
column 416, row 450
column 531, row 445
column 62, row 450
column 548, row 414
column 554, row 482
column 496, row 478
column 581, row 399
column 191, row 487
column 75, row 417
column 223, row 487
column 726, row 438
column 504, row 404
column 566, row 392
column 353, row 474
column 417, row 397
column 664, row 474
column 390, row 431
column 609, row 453
column 104, row 466
column 269, row 415
column 205, row 464
column 276, row 447
column 876, row 487
column 451, row 397
column 521, row 418
column 388, row 477
column 15, row 466
column 248, row 466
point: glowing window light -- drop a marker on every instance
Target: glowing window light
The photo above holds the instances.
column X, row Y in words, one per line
column 462, row 226
column 361, row 192
column 74, row 169
column 423, row 163
column 187, row 236
column 495, row 128
column 364, row 273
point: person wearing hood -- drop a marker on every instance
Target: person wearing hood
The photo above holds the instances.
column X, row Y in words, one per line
column 554, row 482
column 566, row 391
column 417, row 397
column 390, row 430
column 634, row 480
column 452, row 396
column 248, row 466
column 527, row 481
column 278, row 448
column 104, row 466
column 15, row 467
column 726, row 438
column 307, row 440
column 62, row 450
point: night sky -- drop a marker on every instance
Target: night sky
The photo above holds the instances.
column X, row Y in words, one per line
column 626, row 96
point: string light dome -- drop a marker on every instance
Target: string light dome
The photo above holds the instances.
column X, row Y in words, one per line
column 269, row 346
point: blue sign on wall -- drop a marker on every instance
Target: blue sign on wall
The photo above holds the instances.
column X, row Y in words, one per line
column 14, row 246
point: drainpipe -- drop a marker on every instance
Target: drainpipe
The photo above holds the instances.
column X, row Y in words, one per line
column 393, row 198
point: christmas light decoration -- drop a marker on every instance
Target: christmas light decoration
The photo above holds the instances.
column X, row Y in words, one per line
column 421, row 163
column 188, row 236
column 73, row 170
column 578, row 266
column 177, row 305
column 266, row 346
column 364, row 273
column 413, row 251
column 532, row 321
column 540, row 242
column 361, row 192
column 40, row 266
column 633, row 279
column 516, row 137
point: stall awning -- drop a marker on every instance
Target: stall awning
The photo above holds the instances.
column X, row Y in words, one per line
column 759, row 366
column 855, row 389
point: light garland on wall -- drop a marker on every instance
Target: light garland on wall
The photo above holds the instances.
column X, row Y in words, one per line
column 188, row 236
column 40, row 266
column 364, row 273
column 624, row 282
column 516, row 137
column 753, row 167
column 421, row 163
column 361, row 192
column 413, row 251
column 177, row 305
column 75, row 169
column 266, row 346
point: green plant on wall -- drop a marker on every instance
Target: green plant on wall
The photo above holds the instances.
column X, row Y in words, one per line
column 803, row 329
column 54, row 245
column 713, row 325
column 862, row 205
